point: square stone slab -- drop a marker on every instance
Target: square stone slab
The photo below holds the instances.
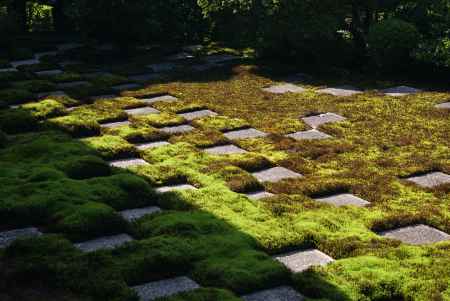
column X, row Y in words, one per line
column 281, row 293
column 8, row 237
column 401, row 91
column 70, row 109
column 340, row 91
column 197, row 114
column 445, row 105
column 144, row 77
column 127, row 163
column 114, row 124
column 309, row 135
column 244, row 134
column 149, row 145
column 162, row 67
column 318, row 120
column 49, row 72
column 53, row 93
column 284, row 88
column 46, row 53
column 177, row 129
column 417, row 235
column 126, row 87
column 276, row 174
column 142, row 111
column 303, row 260
column 225, row 150
column 259, row 195
column 16, row 64
column 220, row 58
column 104, row 243
column 8, row 70
column 164, row 288
column 343, row 199
column 69, row 85
column 431, row 180
column 163, row 98
column 175, row 187
column 134, row 214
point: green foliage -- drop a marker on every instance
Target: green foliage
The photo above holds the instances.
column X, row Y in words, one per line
column 86, row 167
column 110, row 146
column 44, row 109
column 75, row 125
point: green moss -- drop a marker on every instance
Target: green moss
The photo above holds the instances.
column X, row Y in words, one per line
column 137, row 134
column 237, row 179
column 44, row 109
column 201, row 138
column 38, row 67
column 35, row 86
column 110, row 147
column 158, row 120
column 86, row 167
column 3, row 139
column 75, row 125
column 10, row 76
column 179, row 106
column 67, row 77
column 15, row 96
column 220, row 123
column 98, row 113
column 205, row 294
column 17, row 121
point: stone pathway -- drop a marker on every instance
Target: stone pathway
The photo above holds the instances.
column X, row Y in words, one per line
column 165, row 189
column 309, row 135
column 244, row 134
column 430, row 180
column 134, row 214
column 125, row 163
column 179, row 129
column 317, row 120
column 401, row 91
column 281, row 293
column 164, row 288
column 343, row 199
column 69, row 85
column 116, row 124
column 300, row 261
column 417, row 235
column 284, row 88
column 142, row 111
column 197, row 114
column 124, row 87
column 225, row 150
column 104, row 243
column 16, row 64
column 163, row 98
column 340, row 91
column 445, row 105
column 149, row 145
column 49, row 72
column 276, row 174
column 8, row 237
column 259, row 195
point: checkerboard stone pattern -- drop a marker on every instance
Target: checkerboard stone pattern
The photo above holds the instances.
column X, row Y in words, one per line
column 340, row 91
column 309, row 135
column 104, row 243
column 401, row 91
column 225, row 150
column 445, row 105
column 276, row 174
column 343, row 199
column 8, row 237
column 165, row 189
column 417, row 235
column 281, row 293
column 284, row 88
column 149, row 145
column 244, row 134
column 197, row 114
column 300, row 261
column 177, row 129
column 430, row 180
column 127, row 163
column 259, row 195
column 134, row 214
column 317, row 120
column 142, row 111
column 164, row 288
column 163, row 98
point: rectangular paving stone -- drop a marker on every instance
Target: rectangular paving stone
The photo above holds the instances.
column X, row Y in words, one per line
column 134, row 214
column 275, row 174
column 343, row 199
column 126, row 87
column 197, row 114
column 49, row 72
column 401, row 91
column 284, row 88
column 302, row 260
column 142, row 111
column 430, row 180
column 340, row 91
column 125, row 163
column 281, row 293
column 259, row 195
column 46, row 53
column 144, row 77
column 8, row 237
column 149, row 145
column 225, row 150
column 162, row 67
column 16, row 64
column 317, row 120
column 309, row 135
column 177, row 129
column 8, row 70
column 163, row 98
column 417, row 235
column 52, row 93
column 106, row 96
column 244, row 134
column 114, row 124
column 175, row 187
column 104, row 243
column 164, row 288
column 73, row 84
column 445, row 105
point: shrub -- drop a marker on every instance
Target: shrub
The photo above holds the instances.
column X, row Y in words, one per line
column 86, row 167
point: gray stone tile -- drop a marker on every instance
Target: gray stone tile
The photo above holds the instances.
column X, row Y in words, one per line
column 46, row 53
column 281, row 293
column 114, row 124
column 125, row 87
column 177, row 129
column 445, row 105
column 431, row 180
column 164, row 288
column 284, row 88
column 401, row 91
column 309, row 135
column 163, row 98
column 220, row 58
column 104, row 243
column 8, row 70
column 343, row 199
column 180, row 56
column 70, row 109
column 16, row 64
column 275, row 174
column 142, row 111
column 106, row 96
column 244, row 134
column 340, row 91
column 225, row 150
column 259, row 195
column 134, row 214
column 303, row 260
column 318, row 120
column 417, row 235
column 8, row 237
column 162, row 67
column 149, row 145
column 52, row 93
column 144, row 77
column 164, row 189
column 69, row 85
column 197, row 114
column 125, row 163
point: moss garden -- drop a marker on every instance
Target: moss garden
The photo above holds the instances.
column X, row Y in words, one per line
column 219, row 176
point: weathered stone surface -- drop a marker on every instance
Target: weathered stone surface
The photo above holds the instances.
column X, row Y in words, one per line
column 162, row 67
column 340, row 91
column 52, row 93
column 317, row 120
column 175, row 187
column 163, row 98
column 225, row 150
column 142, row 111
column 284, row 88
column 144, row 77
column 8, row 237
column 177, row 129
column 417, row 235
column 197, row 114
column 8, row 70
column 309, row 135
column 148, row 145
column 275, row 174
column 244, row 134
column 164, row 288
column 302, row 260
column 114, row 124
column 73, row 84
column 281, row 293
column 125, row 163
column 401, row 91
column 134, row 214
column 126, row 87
column 69, row 109
column 16, row 64
column 431, row 180
column 343, row 199
column 106, row 96
column 49, row 72
column 220, row 58
column 259, row 195
column 46, row 53
column 445, row 105
column 104, row 243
